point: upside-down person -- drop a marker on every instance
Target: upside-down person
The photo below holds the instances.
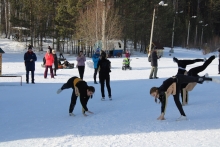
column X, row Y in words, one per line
column 172, row 86
column 81, row 89
column 192, row 72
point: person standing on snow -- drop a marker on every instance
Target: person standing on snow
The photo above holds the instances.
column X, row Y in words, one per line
column 172, row 86
column 55, row 62
column 49, row 63
column 104, row 66
column 81, row 64
column 219, row 62
column 81, row 89
column 29, row 59
column 95, row 59
column 154, row 64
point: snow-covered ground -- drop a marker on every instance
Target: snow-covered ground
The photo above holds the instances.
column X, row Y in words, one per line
column 34, row 115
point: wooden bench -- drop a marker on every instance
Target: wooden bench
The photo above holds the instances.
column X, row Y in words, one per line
column 12, row 76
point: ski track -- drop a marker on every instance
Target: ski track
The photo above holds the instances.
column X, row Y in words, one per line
column 34, row 115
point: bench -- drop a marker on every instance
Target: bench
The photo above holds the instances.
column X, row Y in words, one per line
column 12, row 76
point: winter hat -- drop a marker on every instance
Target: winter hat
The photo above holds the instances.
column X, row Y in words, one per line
column 175, row 60
column 29, row 47
column 103, row 54
column 97, row 50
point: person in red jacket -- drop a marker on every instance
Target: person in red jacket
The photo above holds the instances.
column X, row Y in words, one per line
column 127, row 54
column 49, row 62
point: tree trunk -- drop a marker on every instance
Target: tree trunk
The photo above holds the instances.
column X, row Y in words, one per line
column 6, row 18
column 9, row 24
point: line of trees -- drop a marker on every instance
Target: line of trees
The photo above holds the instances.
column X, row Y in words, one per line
column 128, row 20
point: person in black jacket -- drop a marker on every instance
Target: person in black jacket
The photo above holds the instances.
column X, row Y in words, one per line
column 192, row 72
column 172, row 86
column 104, row 67
column 154, row 64
column 81, row 89
column 29, row 59
column 55, row 62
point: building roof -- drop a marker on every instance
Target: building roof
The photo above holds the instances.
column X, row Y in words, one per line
column 1, row 51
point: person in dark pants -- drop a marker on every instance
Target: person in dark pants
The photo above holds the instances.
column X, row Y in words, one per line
column 29, row 59
column 81, row 64
column 182, row 71
column 183, row 63
column 104, row 66
column 219, row 62
column 95, row 59
column 192, row 72
column 81, row 89
column 154, row 64
column 172, row 86
column 55, row 62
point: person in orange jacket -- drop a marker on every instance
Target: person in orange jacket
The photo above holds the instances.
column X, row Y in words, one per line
column 49, row 63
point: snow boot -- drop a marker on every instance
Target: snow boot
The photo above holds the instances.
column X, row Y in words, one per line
column 71, row 114
column 181, row 118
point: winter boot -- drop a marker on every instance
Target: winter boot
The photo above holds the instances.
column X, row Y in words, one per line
column 181, row 118
column 71, row 114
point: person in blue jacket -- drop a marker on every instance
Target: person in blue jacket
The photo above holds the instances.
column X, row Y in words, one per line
column 95, row 59
column 29, row 60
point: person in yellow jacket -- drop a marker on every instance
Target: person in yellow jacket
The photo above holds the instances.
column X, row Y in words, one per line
column 81, row 89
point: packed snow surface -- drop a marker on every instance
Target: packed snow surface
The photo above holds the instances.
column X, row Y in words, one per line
column 33, row 115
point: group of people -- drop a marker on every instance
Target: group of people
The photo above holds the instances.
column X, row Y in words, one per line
column 183, row 82
column 49, row 60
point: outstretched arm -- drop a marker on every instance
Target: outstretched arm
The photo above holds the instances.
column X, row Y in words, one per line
column 163, row 106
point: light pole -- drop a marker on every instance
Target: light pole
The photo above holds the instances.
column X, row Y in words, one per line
column 187, row 44
column 174, row 20
column 103, row 25
column 202, row 34
column 152, row 27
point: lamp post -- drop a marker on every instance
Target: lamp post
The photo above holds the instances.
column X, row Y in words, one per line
column 174, row 20
column 202, row 34
column 187, row 45
column 152, row 27
column 103, row 25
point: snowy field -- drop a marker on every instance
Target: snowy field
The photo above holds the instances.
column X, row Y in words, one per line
column 33, row 115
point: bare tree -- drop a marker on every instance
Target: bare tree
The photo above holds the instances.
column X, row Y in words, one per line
column 89, row 24
column 113, row 26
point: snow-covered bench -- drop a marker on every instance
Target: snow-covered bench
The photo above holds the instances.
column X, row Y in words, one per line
column 12, row 76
